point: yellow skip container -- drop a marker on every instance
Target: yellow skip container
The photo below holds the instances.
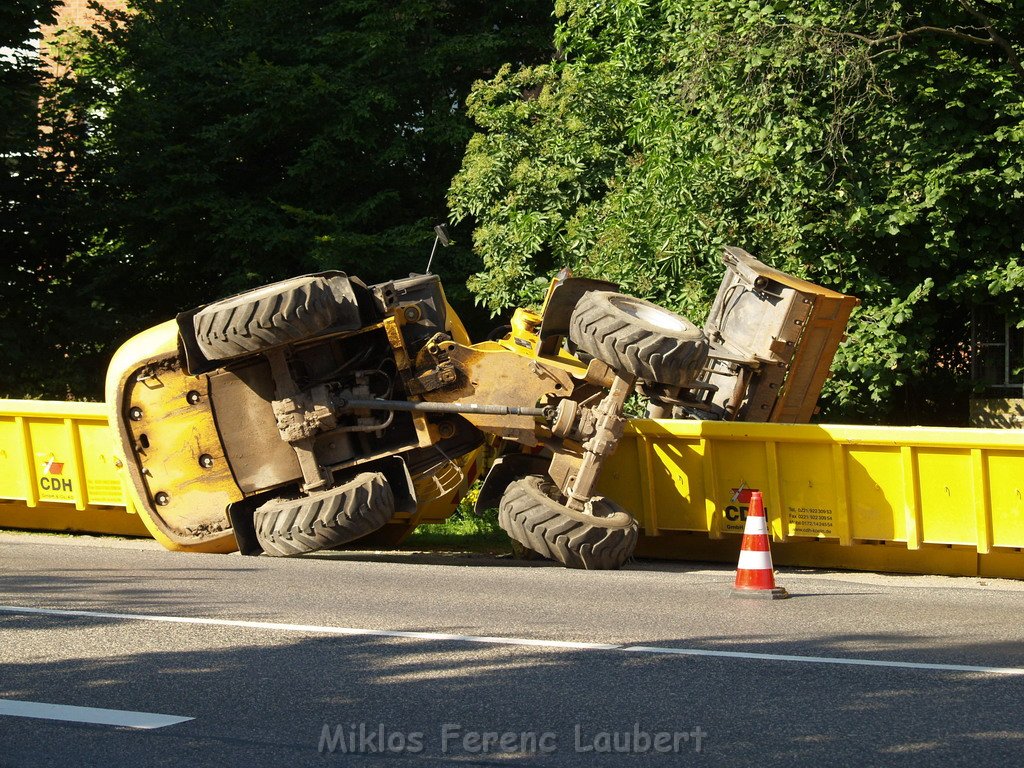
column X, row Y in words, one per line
column 58, row 470
column 916, row 499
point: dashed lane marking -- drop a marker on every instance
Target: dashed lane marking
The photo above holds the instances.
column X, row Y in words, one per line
column 95, row 715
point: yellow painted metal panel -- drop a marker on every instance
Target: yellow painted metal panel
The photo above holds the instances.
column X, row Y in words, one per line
column 947, row 496
column 57, row 409
column 809, row 489
column 843, row 521
column 164, row 449
column 1006, row 494
column 77, row 468
column 676, row 471
column 741, row 467
column 876, row 493
column 103, row 481
column 982, row 501
column 842, row 433
column 776, row 511
column 661, row 482
column 12, row 462
column 1000, row 564
column 620, row 481
column 648, row 495
column 65, row 518
column 710, row 475
column 28, row 469
column 53, row 459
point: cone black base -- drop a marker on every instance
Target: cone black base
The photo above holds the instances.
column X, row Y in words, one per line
column 779, row 593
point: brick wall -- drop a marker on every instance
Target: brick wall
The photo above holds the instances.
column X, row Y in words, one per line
column 76, row 13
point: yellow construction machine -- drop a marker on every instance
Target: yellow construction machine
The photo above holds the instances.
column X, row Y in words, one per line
column 321, row 412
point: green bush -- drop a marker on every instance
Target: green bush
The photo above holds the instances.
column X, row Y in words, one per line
column 874, row 147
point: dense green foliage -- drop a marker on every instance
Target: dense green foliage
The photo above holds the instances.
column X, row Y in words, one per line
column 38, row 337
column 198, row 148
column 839, row 141
column 214, row 145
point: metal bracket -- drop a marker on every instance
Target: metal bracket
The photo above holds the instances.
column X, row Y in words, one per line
column 315, row 477
column 608, row 429
column 443, row 371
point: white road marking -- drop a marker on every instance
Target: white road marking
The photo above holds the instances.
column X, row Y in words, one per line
column 519, row 641
column 316, row 628
column 825, row 660
column 67, row 713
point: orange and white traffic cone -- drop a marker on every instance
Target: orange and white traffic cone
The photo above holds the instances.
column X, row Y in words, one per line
column 754, row 574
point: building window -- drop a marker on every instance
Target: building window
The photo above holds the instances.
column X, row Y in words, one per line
column 997, row 359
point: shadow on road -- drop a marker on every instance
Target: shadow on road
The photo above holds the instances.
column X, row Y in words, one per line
column 262, row 698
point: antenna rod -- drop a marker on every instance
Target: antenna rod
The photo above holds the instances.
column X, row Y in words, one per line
column 432, row 252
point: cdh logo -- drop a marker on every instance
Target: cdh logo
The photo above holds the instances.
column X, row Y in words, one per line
column 53, row 479
column 736, row 512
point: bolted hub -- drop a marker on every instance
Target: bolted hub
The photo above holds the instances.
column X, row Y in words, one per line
column 574, row 422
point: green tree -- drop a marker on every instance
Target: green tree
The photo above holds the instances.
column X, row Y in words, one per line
column 233, row 142
column 39, row 338
column 874, row 147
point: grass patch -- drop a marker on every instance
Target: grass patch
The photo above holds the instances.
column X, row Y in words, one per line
column 464, row 531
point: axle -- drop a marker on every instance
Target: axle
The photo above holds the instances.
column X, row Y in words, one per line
column 351, row 404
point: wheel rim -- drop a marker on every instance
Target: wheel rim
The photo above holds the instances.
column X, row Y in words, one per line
column 651, row 315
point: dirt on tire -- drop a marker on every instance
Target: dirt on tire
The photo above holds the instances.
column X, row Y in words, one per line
column 325, row 519
column 266, row 317
column 639, row 338
column 531, row 514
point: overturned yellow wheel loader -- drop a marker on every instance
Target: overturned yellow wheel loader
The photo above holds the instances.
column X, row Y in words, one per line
column 320, row 411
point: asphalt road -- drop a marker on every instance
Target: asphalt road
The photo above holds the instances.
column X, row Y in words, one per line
column 277, row 661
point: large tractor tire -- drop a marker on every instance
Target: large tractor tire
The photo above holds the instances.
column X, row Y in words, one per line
column 325, row 519
column 638, row 338
column 279, row 313
column 531, row 515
